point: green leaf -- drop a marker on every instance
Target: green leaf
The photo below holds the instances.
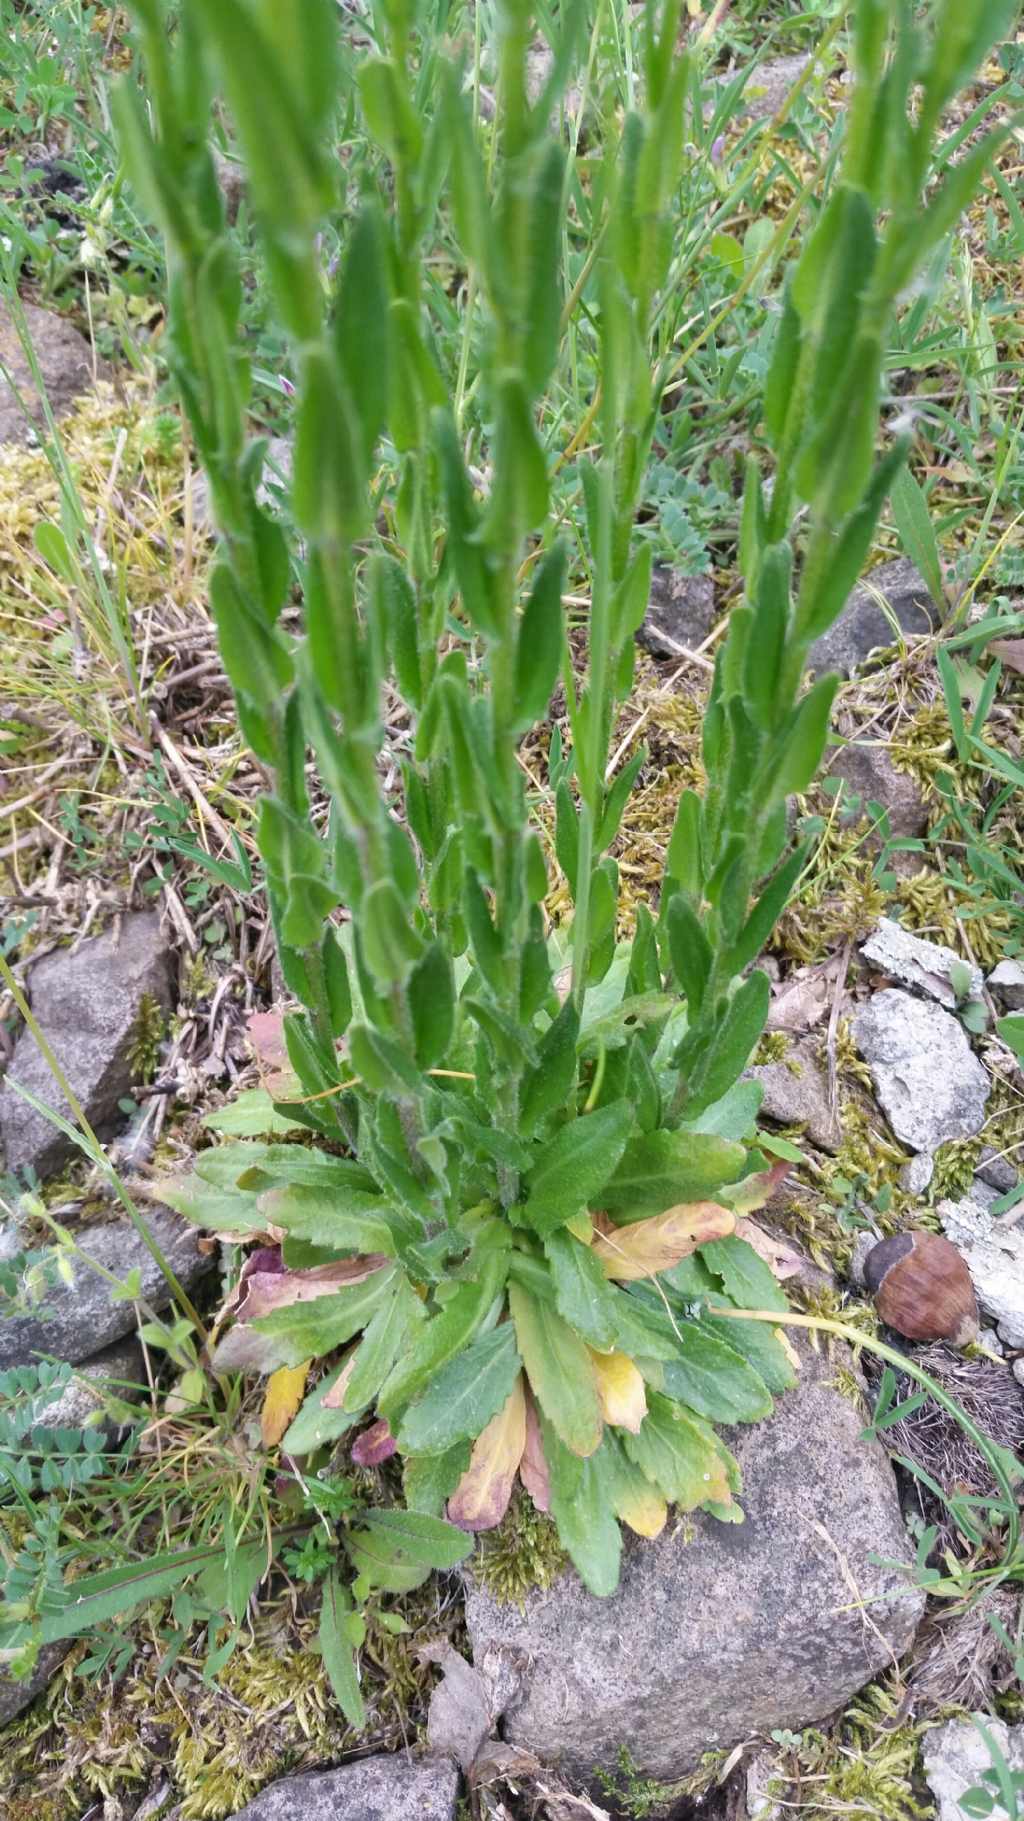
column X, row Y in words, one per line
column 746, row 1277
column 759, row 1345
column 98, row 1598
column 917, row 533
column 390, row 1331
column 559, row 1370
column 343, row 1218
column 447, row 1333
column 430, row 1479
column 251, row 1115
column 540, row 641
column 397, row 1550
column 582, row 1512
column 732, row 1045
column 803, row 742
column 583, row 1295
column 313, row 1426
column 690, row 951
column 547, row 1088
column 464, row 1395
column 712, row 1379
column 575, row 1165
column 336, row 1650
column 431, row 994
column 1011, row 1030
column 680, row 1455
column 306, row 1330
column 664, row 1169
column 542, row 302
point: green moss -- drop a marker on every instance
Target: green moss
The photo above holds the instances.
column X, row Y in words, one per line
column 955, row 1164
column 866, row 1766
column 522, row 1554
column 642, row 1797
column 773, row 1047
column 144, row 1038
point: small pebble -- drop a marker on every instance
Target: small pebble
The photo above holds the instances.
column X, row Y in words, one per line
column 916, row 1175
column 1018, row 1371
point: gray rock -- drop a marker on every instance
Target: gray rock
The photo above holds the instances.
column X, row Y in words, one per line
column 16, row 1696
column 768, row 87
column 763, row 1785
column 680, row 613
column 928, row 1080
column 996, row 1172
column 118, row 1370
column 395, row 1788
column 921, row 966
column 65, row 363
column 956, row 1758
column 869, row 773
column 86, row 1002
column 863, row 626
column 862, row 1245
column 735, row 1631
column 796, row 1093
column 916, row 1174
column 1018, row 1370
column 1006, row 983
column 75, row 1322
column 994, row 1253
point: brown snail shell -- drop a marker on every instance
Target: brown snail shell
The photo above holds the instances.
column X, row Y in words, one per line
column 922, row 1287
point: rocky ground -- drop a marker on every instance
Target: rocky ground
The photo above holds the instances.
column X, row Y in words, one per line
column 799, row 1664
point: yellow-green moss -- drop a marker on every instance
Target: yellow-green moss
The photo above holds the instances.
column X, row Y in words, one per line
column 145, row 1037
column 524, row 1553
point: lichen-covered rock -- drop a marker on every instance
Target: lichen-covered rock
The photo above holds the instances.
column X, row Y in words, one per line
column 87, row 1002
column 1006, row 983
column 717, row 1631
column 863, row 626
column 956, row 1758
column 119, row 1372
column 796, row 1093
column 680, row 612
column 922, row 966
column 929, row 1083
column 77, row 1320
column 15, row 1696
column 65, row 363
column 397, row 1788
column 994, row 1253
column 870, row 775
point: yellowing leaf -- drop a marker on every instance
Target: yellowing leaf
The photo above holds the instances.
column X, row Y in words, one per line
column 285, row 1390
column 533, row 1468
column 480, row 1499
column 644, row 1510
column 646, row 1247
column 620, row 1390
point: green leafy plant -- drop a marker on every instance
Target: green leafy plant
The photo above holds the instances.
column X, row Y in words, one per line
column 522, row 1251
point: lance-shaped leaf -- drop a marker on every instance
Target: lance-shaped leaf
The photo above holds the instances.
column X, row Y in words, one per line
column 583, row 1295
column 271, row 1286
column 575, row 1165
column 646, row 1247
column 337, row 1652
column 560, row 1370
column 620, row 1390
column 465, row 1395
column 304, row 1330
column 281, row 1400
column 340, row 1216
column 681, row 1456
column 540, row 641
column 582, row 1511
column 710, row 1378
column 481, row 1497
column 659, row 1170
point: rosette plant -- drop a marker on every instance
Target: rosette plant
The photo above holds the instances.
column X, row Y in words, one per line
column 500, row 1204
